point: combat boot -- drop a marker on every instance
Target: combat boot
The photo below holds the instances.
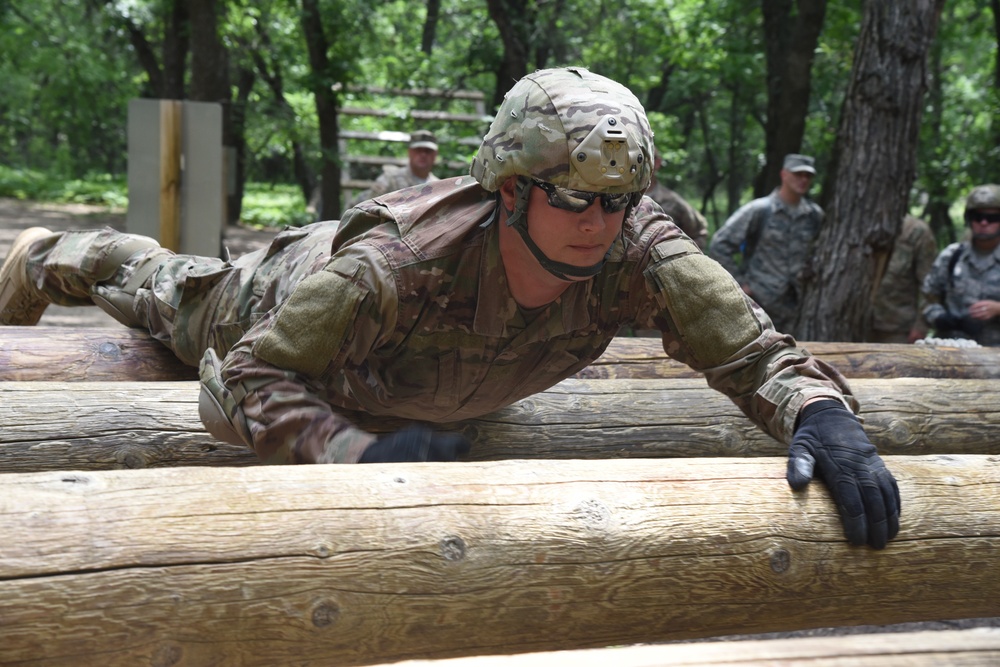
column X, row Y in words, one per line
column 21, row 303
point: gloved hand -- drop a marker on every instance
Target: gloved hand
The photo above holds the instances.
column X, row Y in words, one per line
column 831, row 439
column 947, row 322
column 415, row 443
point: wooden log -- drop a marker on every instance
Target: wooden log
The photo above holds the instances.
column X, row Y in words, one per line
column 361, row 564
column 70, row 354
column 975, row 646
column 101, row 425
column 30, row 354
column 644, row 358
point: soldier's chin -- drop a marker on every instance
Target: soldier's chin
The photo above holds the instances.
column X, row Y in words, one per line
column 986, row 237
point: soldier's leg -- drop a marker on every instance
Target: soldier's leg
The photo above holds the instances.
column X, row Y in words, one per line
column 63, row 268
column 130, row 277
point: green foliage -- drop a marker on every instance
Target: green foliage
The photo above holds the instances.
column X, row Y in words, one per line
column 274, row 206
column 69, row 68
column 97, row 189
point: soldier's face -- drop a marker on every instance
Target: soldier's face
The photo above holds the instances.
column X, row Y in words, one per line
column 580, row 239
column 798, row 181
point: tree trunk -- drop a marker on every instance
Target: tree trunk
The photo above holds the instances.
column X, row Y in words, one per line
column 430, row 26
column 877, row 142
column 938, row 198
column 327, row 109
column 352, row 565
column 512, row 18
column 101, row 425
column 790, row 48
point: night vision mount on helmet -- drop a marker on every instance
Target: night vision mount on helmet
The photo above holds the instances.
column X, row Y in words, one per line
column 572, row 129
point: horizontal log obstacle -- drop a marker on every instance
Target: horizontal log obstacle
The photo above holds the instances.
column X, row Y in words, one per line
column 644, row 358
column 353, row 565
column 975, row 646
column 70, row 354
column 101, row 425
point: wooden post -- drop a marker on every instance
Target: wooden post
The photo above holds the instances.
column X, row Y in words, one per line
column 170, row 174
column 359, row 564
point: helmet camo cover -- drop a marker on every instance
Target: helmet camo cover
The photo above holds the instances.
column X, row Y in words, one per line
column 572, row 128
column 983, row 196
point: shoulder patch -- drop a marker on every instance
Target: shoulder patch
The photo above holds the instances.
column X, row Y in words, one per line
column 706, row 304
column 311, row 327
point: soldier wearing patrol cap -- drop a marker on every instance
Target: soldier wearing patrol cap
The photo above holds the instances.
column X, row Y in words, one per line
column 772, row 237
column 454, row 299
column 963, row 286
column 421, row 153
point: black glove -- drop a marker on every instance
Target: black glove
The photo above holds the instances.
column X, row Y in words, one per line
column 830, row 438
column 947, row 322
column 415, row 443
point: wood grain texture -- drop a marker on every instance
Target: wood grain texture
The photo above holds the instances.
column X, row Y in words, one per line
column 102, row 425
column 351, row 565
column 974, row 647
column 86, row 354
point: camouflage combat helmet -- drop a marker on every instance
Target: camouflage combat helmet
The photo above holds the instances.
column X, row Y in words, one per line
column 571, row 129
column 983, row 196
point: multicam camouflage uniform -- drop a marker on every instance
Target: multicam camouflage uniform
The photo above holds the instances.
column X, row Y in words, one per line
column 897, row 307
column 778, row 239
column 404, row 310
column 954, row 284
column 687, row 218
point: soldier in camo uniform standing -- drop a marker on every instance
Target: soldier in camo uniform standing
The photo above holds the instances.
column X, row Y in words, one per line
column 897, row 314
column 421, row 154
column 963, row 286
column 773, row 238
column 451, row 300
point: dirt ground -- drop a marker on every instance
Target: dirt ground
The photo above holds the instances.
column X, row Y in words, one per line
column 17, row 215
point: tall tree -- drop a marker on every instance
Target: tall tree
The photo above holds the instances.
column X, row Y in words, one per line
column 790, row 42
column 323, row 78
column 876, row 149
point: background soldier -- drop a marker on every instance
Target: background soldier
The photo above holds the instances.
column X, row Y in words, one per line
column 451, row 301
column 767, row 243
column 421, row 153
column 897, row 315
column 963, row 287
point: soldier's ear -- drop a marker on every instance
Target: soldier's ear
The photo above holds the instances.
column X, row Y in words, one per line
column 508, row 191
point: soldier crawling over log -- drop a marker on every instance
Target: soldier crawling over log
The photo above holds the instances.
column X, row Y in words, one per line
column 452, row 299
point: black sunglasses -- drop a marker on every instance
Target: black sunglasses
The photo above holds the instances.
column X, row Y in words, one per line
column 972, row 216
column 579, row 201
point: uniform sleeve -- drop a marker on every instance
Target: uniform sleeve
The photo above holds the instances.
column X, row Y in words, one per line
column 727, row 242
column 936, row 283
column 277, row 378
column 711, row 325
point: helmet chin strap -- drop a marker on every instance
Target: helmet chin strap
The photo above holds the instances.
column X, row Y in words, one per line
column 518, row 219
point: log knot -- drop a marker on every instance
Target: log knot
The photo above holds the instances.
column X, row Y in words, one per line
column 110, row 351
column 781, row 560
column 453, row 548
column 325, row 614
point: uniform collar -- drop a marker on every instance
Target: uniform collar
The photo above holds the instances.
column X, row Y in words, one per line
column 497, row 313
